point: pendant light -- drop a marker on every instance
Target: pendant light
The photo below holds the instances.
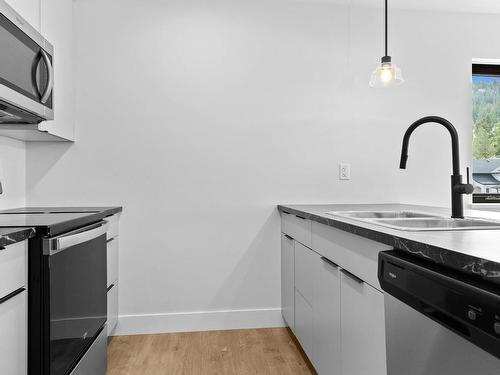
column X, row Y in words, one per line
column 387, row 74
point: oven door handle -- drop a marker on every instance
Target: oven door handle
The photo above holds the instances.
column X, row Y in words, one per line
column 55, row 245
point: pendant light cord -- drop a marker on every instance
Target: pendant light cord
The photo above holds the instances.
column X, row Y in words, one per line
column 386, row 15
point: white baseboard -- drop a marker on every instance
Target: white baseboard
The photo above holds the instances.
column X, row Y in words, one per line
column 198, row 321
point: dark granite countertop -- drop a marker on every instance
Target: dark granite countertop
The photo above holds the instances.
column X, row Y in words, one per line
column 9, row 236
column 474, row 252
column 52, row 221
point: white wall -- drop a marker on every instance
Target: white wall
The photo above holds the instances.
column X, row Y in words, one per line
column 199, row 117
column 12, row 173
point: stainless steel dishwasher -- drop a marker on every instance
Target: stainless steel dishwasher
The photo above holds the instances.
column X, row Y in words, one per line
column 438, row 322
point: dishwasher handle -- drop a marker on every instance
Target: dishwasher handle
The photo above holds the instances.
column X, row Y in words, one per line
column 55, row 245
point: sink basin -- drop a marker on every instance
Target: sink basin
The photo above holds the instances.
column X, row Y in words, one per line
column 417, row 221
column 381, row 214
column 429, row 224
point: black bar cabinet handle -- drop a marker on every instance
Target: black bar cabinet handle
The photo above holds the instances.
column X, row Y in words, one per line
column 286, row 212
column 301, row 217
column 12, row 295
column 287, row 236
column 353, row 277
column 328, row 261
column 111, row 287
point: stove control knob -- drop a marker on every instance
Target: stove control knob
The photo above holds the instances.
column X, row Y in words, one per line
column 497, row 328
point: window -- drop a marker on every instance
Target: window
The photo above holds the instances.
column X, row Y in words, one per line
column 486, row 133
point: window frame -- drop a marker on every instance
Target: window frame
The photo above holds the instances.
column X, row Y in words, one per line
column 485, row 69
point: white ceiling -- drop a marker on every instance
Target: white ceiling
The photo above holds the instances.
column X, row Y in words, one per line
column 468, row 6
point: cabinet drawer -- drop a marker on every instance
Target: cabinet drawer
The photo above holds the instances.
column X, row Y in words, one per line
column 305, row 264
column 356, row 254
column 112, row 255
column 304, row 323
column 13, row 335
column 297, row 227
column 112, row 309
column 114, row 224
column 12, row 267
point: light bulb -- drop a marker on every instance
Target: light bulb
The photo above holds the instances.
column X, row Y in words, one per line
column 386, row 74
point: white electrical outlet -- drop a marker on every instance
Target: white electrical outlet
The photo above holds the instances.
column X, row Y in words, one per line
column 344, row 171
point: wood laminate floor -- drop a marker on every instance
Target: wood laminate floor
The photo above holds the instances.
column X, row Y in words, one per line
column 253, row 351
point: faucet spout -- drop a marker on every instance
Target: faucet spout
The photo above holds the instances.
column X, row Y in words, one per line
column 457, row 187
column 438, row 120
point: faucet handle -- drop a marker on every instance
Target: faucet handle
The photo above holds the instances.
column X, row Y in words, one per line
column 468, row 188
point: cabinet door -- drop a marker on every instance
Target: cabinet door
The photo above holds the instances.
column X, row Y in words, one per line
column 326, row 322
column 304, row 323
column 29, row 10
column 306, row 262
column 57, row 28
column 13, row 339
column 363, row 328
column 287, row 280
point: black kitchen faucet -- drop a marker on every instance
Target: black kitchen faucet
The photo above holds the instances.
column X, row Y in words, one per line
column 457, row 187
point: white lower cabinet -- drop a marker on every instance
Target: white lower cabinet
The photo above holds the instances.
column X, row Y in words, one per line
column 306, row 262
column 287, row 280
column 13, row 267
column 112, row 309
column 363, row 328
column 304, row 323
column 13, row 335
column 326, row 356
column 338, row 317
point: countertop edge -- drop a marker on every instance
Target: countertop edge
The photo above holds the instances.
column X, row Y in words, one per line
column 469, row 264
column 10, row 236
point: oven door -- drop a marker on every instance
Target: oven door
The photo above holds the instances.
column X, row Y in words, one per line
column 26, row 71
column 77, row 293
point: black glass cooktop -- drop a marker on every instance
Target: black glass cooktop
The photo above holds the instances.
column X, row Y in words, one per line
column 37, row 219
column 51, row 221
column 49, row 224
column 52, row 210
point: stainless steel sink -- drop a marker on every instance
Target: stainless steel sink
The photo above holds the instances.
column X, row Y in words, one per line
column 417, row 221
column 381, row 214
column 436, row 224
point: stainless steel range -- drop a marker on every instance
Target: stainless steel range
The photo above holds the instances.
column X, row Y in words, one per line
column 67, row 294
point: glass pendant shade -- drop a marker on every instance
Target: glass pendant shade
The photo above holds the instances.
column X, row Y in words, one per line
column 387, row 74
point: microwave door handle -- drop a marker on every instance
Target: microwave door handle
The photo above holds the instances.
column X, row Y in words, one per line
column 34, row 74
column 50, row 74
column 57, row 244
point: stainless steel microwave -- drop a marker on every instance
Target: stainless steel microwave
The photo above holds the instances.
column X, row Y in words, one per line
column 26, row 71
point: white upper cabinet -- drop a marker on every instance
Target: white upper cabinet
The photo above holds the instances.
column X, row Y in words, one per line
column 29, row 10
column 57, row 28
